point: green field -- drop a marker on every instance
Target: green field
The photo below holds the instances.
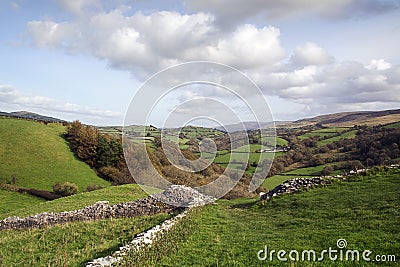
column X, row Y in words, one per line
column 200, row 132
column 12, row 201
column 346, row 135
column 364, row 211
column 249, row 148
column 281, row 142
column 244, row 157
column 273, row 181
column 395, row 125
column 323, row 132
column 71, row 244
column 39, row 157
column 307, row 171
column 238, row 157
column 277, row 140
column 113, row 194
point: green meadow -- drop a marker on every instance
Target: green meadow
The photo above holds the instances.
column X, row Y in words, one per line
column 38, row 156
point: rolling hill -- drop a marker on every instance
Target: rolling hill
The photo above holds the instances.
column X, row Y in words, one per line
column 348, row 119
column 341, row 119
column 38, row 156
column 31, row 116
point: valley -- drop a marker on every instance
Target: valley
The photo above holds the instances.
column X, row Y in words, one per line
column 363, row 208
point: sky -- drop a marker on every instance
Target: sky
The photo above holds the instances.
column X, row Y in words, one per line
column 88, row 59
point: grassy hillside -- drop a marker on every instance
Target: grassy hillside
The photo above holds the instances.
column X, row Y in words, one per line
column 395, row 125
column 16, row 203
column 348, row 119
column 364, row 211
column 11, row 201
column 39, row 157
column 346, row 135
column 323, row 132
column 73, row 244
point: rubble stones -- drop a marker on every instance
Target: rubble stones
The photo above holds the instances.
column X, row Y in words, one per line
column 140, row 241
column 182, row 196
column 294, row 185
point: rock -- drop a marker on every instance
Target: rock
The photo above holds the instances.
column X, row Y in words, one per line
column 293, row 185
column 173, row 198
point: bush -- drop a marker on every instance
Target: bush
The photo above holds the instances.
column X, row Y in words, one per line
column 93, row 187
column 65, row 189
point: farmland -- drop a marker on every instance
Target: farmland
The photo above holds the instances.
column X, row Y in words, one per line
column 232, row 232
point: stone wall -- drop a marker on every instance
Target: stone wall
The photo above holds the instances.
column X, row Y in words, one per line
column 177, row 196
column 173, row 198
column 294, row 185
column 99, row 210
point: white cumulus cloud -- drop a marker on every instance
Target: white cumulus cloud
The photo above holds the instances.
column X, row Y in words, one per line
column 146, row 43
column 310, row 54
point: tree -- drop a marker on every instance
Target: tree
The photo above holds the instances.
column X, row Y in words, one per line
column 83, row 140
column 356, row 165
column 109, row 151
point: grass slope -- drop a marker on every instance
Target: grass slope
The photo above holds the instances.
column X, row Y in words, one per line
column 395, row 125
column 113, row 194
column 275, row 180
column 73, row 244
column 39, row 157
column 364, row 211
column 346, row 135
column 11, row 201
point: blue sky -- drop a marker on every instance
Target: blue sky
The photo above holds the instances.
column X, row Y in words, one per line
column 86, row 59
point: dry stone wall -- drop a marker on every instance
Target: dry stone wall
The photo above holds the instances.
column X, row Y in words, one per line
column 294, row 185
column 178, row 196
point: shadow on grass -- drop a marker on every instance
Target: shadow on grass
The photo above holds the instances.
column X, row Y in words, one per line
column 244, row 204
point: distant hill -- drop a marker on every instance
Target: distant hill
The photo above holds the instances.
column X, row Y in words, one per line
column 31, row 116
column 38, row 156
column 348, row 119
column 342, row 119
column 248, row 125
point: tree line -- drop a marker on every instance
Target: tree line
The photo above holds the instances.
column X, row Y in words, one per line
column 372, row 146
column 101, row 152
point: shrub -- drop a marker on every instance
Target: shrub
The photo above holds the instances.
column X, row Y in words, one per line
column 93, row 187
column 65, row 189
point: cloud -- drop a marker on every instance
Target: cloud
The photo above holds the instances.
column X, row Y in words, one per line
column 46, row 34
column 144, row 44
column 12, row 99
column 78, row 7
column 336, row 85
column 240, row 11
column 14, row 5
column 310, row 54
column 379, row 65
